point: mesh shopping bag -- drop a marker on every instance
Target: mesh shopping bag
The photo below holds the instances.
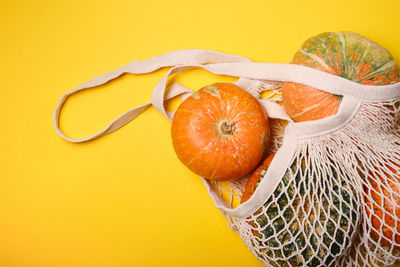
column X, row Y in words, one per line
column 315, row 204
column 321, row 211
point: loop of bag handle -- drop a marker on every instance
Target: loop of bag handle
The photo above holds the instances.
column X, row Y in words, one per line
column 190, row 56
column 244, row 69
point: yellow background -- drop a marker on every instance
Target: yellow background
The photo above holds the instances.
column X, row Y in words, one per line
column 125, row 199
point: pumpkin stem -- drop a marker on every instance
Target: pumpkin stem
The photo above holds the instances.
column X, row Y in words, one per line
column 226, row 127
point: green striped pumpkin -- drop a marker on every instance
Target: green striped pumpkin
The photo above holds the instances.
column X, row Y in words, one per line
column 304, row 224
column 345, row 54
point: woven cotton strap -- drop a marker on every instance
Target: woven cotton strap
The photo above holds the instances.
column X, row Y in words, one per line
column 308, row 76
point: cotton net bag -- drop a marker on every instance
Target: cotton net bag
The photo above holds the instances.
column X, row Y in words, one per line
column 315, row 204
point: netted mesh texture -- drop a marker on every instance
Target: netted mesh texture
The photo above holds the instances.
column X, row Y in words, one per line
column 376, row 158
column 311, row 216
column 338, row 202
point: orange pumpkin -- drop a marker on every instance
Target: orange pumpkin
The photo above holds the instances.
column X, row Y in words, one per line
column 255, row 178
column 383, row 199
column 220, row 132
column 345, row 54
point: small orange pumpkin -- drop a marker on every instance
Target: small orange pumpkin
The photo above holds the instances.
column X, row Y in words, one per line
column 345, row 54
column 385, row 207
column 255, row 178
column 220, row 132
